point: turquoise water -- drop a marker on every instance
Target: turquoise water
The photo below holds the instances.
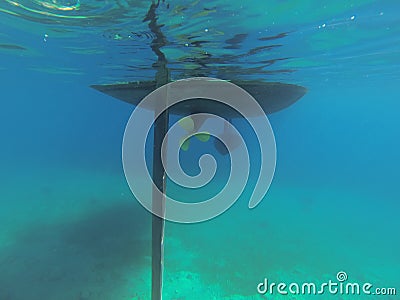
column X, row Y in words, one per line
column 70, row 226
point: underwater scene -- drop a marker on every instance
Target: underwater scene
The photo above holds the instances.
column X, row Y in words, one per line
column 301, row 172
